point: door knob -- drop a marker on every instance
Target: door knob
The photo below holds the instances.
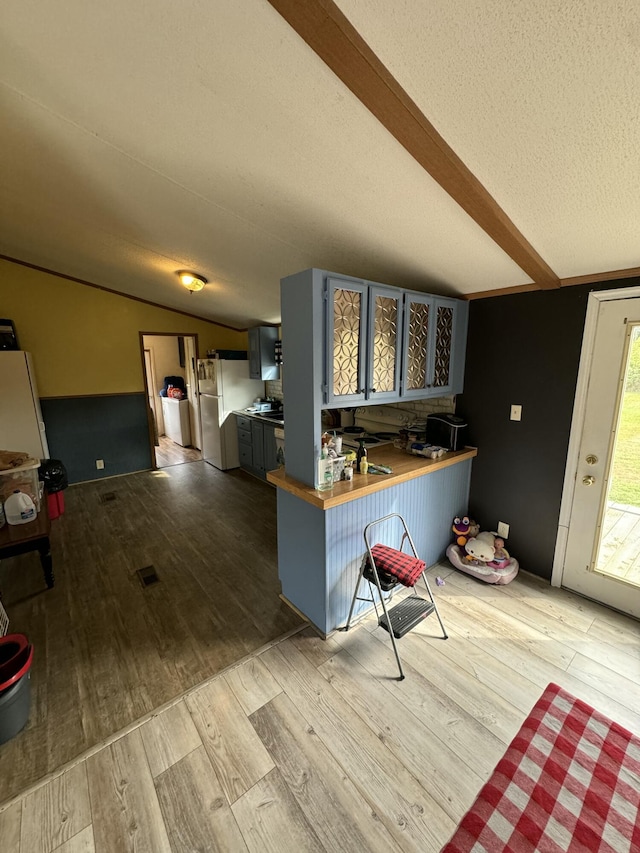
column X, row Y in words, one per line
column 588, row 481
column 591, row 459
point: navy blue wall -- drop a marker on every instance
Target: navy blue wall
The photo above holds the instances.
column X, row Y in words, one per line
column 83, row 429
column 524, row 349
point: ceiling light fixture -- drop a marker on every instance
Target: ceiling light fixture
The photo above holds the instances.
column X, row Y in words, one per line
column 191, row 280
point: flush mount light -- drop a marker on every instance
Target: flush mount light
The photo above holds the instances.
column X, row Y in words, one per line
column 191, row 280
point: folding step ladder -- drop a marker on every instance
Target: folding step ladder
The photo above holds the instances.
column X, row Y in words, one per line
column 407, row 570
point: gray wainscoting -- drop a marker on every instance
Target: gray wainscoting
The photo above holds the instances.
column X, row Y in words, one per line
column 110, row 427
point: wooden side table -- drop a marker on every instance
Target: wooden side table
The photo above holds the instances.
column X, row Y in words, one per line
column 18, row 539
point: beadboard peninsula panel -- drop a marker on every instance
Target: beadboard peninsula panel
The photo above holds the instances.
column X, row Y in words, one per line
column 428, row 505
column 111, row 427
column 301, row 556
column 320, row 551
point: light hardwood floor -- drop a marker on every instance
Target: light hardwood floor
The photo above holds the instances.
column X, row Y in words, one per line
column 169, row 453
column 107, row 649
column 620, row 549
column 313, row 745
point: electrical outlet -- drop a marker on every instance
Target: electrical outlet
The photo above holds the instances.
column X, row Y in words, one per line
column 503, row 530
column 99, row 464
column 516, row 413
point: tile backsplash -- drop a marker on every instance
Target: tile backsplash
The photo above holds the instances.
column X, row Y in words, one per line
column 273, row 388
column 427, row 407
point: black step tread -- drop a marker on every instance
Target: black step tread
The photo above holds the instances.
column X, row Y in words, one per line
column 406, row 615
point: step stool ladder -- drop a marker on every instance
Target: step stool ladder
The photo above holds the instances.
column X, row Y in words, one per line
column 407, row 570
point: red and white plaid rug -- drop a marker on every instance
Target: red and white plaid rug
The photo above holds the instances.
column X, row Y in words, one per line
column 569, row 781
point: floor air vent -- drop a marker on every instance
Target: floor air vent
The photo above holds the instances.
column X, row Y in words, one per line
column 107, row 497
column 147, row 576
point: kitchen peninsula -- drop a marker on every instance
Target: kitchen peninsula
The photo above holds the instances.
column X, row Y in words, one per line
column 320, row 534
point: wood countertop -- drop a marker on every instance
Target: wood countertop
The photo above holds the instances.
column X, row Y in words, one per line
column 405, row 467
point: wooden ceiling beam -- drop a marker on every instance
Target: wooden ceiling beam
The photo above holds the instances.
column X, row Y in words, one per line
column 571, row 281
column 322, row 25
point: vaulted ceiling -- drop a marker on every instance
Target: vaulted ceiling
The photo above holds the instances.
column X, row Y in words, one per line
column 456, row 148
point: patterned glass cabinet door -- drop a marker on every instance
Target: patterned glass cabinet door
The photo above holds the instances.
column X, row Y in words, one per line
column 384, row 337
column 346, row 315
column 363, row 335
column 428, row 346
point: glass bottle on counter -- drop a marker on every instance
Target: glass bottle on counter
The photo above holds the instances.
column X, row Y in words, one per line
column 324, row 475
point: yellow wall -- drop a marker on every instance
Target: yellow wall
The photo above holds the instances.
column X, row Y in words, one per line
column 84, row 340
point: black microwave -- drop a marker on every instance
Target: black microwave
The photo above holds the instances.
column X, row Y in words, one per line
column 446, row 430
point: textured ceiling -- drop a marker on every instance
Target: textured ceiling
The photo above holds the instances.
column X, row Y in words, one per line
column 141, row 138
column 540, row 100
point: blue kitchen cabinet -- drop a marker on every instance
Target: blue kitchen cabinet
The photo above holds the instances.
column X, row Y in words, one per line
column 262, row 353
column 334, row 345
column 269, row 448
column 433, row 347
column 256, row 446
column 362, row 346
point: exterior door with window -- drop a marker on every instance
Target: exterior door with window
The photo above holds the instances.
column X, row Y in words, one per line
column 602, row 557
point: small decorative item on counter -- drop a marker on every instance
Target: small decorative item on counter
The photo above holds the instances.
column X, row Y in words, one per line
column 364, row 465
column 338, row 467
column 348, row 472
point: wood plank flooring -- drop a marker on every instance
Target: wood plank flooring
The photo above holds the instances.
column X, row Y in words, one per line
column 313, row 745
column 107, row 649
column 619, row 554
column 169, row 453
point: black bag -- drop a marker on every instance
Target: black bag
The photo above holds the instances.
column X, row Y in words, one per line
column 54, row 475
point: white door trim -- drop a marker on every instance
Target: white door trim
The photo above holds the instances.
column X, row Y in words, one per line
column 579, row 407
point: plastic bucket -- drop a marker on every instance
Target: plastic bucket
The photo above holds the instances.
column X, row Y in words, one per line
column 16, row 656
column 14, row 708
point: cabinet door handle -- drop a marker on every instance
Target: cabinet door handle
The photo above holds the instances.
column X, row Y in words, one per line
column 373, row 390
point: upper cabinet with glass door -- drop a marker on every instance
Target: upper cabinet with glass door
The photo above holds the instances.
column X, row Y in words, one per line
column 435, row 333
column 363, row 335
column 385, row 344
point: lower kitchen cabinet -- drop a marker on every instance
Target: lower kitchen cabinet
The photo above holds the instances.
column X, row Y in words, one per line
column 256, row 446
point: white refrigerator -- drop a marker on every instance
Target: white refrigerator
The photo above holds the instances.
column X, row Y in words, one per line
column 21, row 424
column 224, row 387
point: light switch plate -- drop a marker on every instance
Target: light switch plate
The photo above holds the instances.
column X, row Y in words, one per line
column 516, row 413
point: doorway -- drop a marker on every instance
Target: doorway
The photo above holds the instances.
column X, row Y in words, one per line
column 169, row 361
column 600, row 554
